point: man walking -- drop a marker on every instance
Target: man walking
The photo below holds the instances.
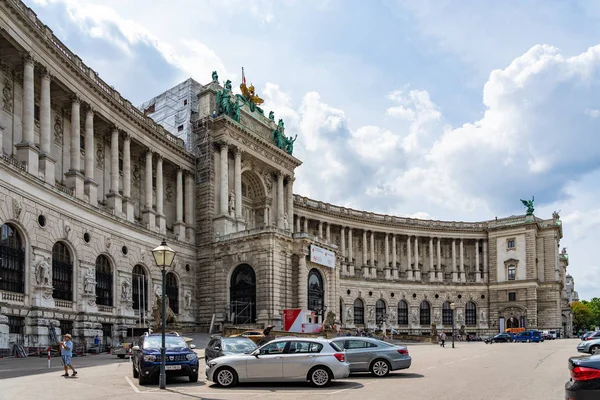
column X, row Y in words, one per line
column 97, row 344
column 66, row 352
column 443, row 339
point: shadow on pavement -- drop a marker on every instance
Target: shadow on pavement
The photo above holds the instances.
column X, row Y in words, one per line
column 291, row 386
column 392, row 375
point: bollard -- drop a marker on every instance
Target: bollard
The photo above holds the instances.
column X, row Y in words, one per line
column 49, row 356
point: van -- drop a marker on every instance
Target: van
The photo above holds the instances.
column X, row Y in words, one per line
column 550, row 334
column 529, row 336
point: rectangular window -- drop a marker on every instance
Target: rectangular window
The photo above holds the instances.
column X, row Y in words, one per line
column 82, row 142
column 510, row 243
column 66, row 327
column 179, row 128
column 512, row 296
column 16, row 324
column 36, row 112
column 512, row 272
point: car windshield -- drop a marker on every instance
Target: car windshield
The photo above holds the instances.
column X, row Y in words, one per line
column 171, row 342
column 239, row 345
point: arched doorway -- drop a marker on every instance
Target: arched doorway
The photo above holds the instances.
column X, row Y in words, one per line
column 172, row 290
column 446, row 314
column 425, row 313
column 242, row 295
column 140, row 289
column 12, row 260
column 471, row 314
column 513, row 322
column 253, row 204
column 104, row 282
column 62, row 272
column 359, row 312
column 380, row 312
column 402, row 312
column 316, row 294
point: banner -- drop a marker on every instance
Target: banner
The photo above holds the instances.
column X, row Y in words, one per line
column 321, row 256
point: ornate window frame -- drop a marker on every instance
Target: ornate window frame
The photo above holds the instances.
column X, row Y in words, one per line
column 512, row 241
column 508, row 264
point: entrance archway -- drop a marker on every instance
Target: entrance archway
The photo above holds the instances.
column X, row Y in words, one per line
column 316, row 294
column 512, row 322
column 242, row 295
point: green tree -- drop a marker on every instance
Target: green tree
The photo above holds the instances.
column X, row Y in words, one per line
column 594, row 306
column 583, row 316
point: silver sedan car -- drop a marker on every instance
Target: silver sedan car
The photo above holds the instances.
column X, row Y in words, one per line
column 291, row 359
column 372, row 355
column 590, row 346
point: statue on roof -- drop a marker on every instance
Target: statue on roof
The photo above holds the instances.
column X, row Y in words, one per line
column 280, row 125
column 215, row 77
column 272, row 116
column 280, row 140
column 226, row 103
column 529, row 205
column 289, row 145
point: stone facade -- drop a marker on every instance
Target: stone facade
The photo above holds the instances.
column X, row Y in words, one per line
column 89, row 185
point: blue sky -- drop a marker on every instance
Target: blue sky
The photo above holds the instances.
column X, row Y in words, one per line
column 438, row 109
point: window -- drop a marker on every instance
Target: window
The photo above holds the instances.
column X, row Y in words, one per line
column 380, row 312
column 273, row 348
column 172, row 290
column 446, row 313
column 402, row 312
column 62, row 272
column 471, row 314
column 12, row 260
column 140, row 288
column 16, row 324
column 107, row 333
column 425, row 314
column 305, row 347
column 512, row 272
column 242, row 294
column 510, row 243
column 185, row 102
column 512, row 296
column 179, row 128
column 66, row 327
column 359, row 312
column 316, row 291
column 358, row 344
column 36, row 112
column 82, row 142
column 104, row 282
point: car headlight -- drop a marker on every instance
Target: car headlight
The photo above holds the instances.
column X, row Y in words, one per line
column 191, row 357
column 211, row 364
column 150, row 358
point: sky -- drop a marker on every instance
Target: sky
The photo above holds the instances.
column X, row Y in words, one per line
column 437, row 109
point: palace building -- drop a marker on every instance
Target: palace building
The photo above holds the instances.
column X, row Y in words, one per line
column 90, row 184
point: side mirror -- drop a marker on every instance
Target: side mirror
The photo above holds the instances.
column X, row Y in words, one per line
column 217, row 348
column 255, row 353
column 135, row 348
column 192, row 346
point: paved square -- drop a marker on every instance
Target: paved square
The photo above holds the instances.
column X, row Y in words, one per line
column 471, row 371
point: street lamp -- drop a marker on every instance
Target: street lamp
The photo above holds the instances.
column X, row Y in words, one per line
column 163, row 256
column 452, row 307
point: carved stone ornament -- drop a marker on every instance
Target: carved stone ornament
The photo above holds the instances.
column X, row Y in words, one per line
column 99, row 154
column 268, row 182
column 58, row 129
column 169, row 192
column 459, row 316
column 482, row 316
column 415, row 316
column 17, row 208
column 67, row 230
column 136, row 175
column 437, row 318
column 89, row 282
column 108, row 242
column 350, row 314
column 126, row 289
column 187, row 296
column 47, row 294
column 42, row 273
column 7, row 96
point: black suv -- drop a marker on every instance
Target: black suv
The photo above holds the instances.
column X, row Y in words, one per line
column 181, row 360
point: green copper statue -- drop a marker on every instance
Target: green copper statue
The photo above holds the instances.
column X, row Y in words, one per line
column 279, row 139
column 272, row 116
column 289, row 145
column 529, row 205
column 226, row 103
column 215, row 77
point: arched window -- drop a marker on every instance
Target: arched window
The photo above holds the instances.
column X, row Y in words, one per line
column 139, row 292
column 402, row 312
column 359, row 312
column 471, row 314
column 62, row 272
column 380, row 312
column 425, row 315
column 172, row 290
column 242, row 295
column 104, row 282
column 446, row 313
column 316, row 292
column 12, row 260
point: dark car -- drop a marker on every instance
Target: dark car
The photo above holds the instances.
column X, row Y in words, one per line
column 585, row 378
column 500, row 338
column 181, row 360
column 224, row 346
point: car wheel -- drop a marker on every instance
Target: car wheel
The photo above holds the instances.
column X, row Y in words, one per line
column 194, row 378
column 136, row 374
column 594, row 349
column 380, row 368
column 225, row 377
column 142, row 380
column 319, row 377
column 528, row 341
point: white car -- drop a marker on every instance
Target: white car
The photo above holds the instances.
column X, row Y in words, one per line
column 317, row 361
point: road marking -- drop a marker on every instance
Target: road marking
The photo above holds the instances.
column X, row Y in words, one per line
column 432, row 367
column 465, row 359
column 132, row 385
column 448, row 363
column 353, row 387
column 477, row 355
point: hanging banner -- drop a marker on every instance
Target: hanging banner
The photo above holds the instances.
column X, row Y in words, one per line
column 321, row 256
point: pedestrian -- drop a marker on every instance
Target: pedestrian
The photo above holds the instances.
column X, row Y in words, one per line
column 97, row 344
column 66, row 352
column 443, row 339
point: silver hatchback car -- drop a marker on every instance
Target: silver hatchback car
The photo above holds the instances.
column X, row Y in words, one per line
column 291, row 359
column 372, row 355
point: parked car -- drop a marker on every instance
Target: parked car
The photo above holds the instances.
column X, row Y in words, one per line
column 500, row 338
column 181, row 360
column 589, row 346
column 585, row 378
column 255, row 336
column 224, row 346
column 291, row 360
column 550, row 334
column 372, row 355
column 591, row 335
column 529, row 336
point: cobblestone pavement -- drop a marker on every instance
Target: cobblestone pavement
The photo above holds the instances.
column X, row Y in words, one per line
column 471, row 371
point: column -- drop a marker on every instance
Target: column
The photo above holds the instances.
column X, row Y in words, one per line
column 238, row 183
column 439, row 260
column 224, row 181
column 372, row 266
column 454, row 272
column 280, row 208
column 343, row 250
column 365, row 266
column 417, row 269
column 409, row 268
column 305, row 225
column 179, row 225
column 302, row 282
column 350, row 253
column 47, row 163
column 477, row 273
column 290, row 200
column 27, row 152
column 128, row 203
column 115, row 200
column 386, row 257
column 485, row 261
column 266, row 216
column 189, row 206
column 298, row 229
column 432, row 269
column 161, row 219
column 74, row 177
column 320, row 229
column 328, row 232
column 463, row 275
column 394, row 258
column 148, row 214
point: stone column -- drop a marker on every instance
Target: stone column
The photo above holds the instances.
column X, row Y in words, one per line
column 189, row 206
column 115, row 200
column 485, row 261
column 47, row 163
column 343, row 250
column 266, row 216
column 298, row 228
column 224, row 179
column 417, row 269
column 432, row 269
column 373, row 268
column 454, row 272
column 350, row 253
column 409, row 268
column 238, row 183
column 386, row 257
column 302, row 282
column 280, row 205
column 305, row 224
column 477, row 273
column 161, row 219
column 290, row 200
column 27, row 152
column 328, row 232
column 320, row 229
column 179, row 225
column 439, row 260
column 463, row 276
column 75, row 178
column 127, row 201
column 394, row 258
column 365, row 262
column 148, row 214
column 90, row 185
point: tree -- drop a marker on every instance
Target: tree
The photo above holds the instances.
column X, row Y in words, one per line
column 583, row 316
column 594, row 306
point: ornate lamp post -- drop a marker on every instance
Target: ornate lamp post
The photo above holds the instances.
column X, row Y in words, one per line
column 163, row 256
column 452, row 307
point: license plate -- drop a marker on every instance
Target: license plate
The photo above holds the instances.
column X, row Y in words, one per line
column 172, row 367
